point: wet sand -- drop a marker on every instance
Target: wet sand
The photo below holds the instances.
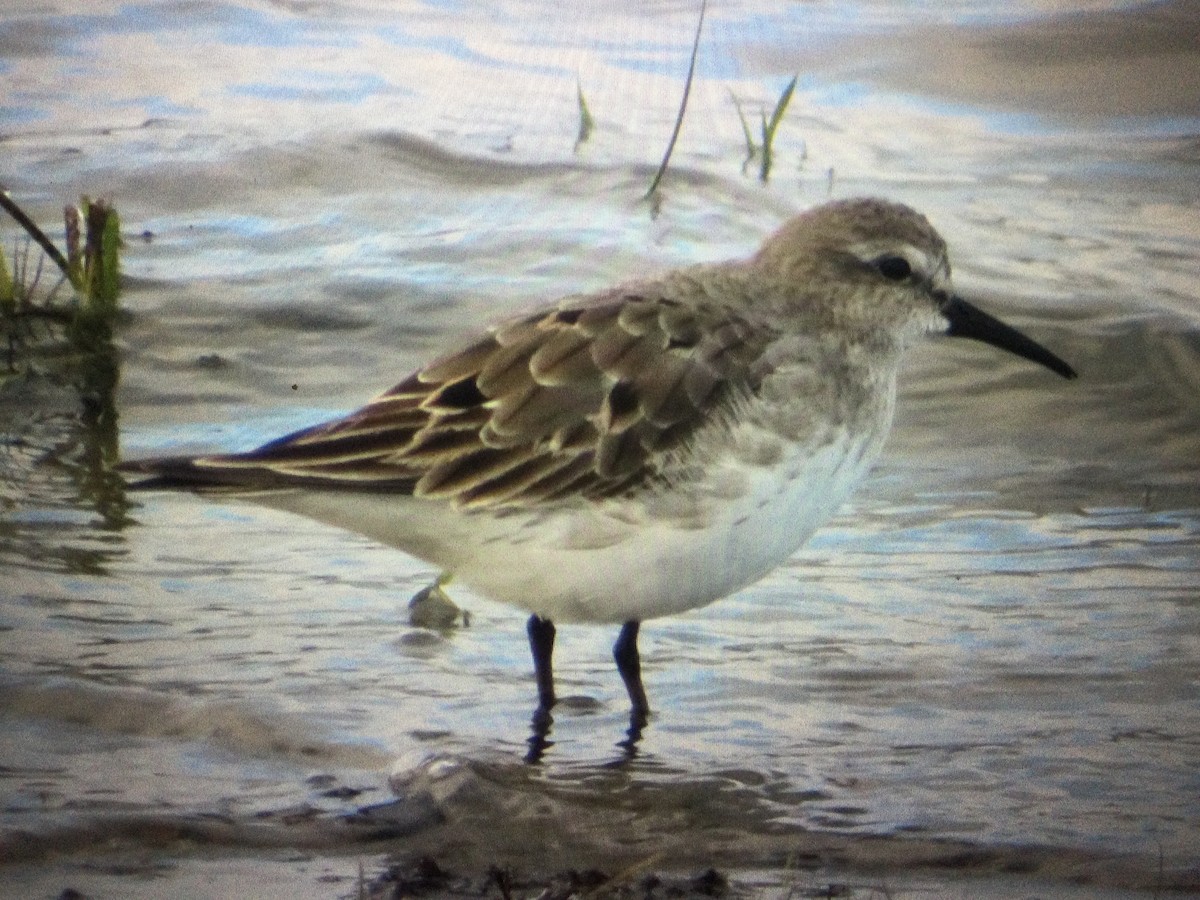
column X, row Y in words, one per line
column 422, row 846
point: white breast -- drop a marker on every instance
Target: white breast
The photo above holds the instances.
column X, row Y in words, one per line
column 624, row 560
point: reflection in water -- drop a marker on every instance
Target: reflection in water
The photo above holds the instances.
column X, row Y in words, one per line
column 64, row 504
column 541, row 727
column 58, row 415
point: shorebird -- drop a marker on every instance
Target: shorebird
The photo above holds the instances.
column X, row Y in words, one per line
column 639, row 451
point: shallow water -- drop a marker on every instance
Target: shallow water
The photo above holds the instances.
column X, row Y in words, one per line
column 996, row 643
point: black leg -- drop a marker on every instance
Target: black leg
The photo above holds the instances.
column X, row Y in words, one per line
column 629, row 664
column 541, row 643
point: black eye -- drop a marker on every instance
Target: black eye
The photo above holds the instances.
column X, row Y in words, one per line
column 893, row 268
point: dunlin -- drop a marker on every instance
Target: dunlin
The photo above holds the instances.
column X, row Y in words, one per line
column 639, row 451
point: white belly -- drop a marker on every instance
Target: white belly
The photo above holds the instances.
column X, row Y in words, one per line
column 616, row 560
column 621, row 563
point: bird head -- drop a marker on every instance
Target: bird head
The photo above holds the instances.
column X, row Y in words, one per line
column 875, row 268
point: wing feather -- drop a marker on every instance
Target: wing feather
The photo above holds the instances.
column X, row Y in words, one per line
column 582, row 398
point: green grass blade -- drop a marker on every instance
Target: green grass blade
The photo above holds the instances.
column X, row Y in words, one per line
column 586, row 122
column 30, row 228
column 687, row 89
column 780, row 108
column 751, row 147
column 8, row 290
column 769, row 127
column 107, row 279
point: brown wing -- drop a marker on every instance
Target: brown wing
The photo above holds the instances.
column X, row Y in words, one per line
column 581, row 398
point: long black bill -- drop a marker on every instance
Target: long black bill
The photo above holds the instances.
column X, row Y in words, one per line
column 971, row 322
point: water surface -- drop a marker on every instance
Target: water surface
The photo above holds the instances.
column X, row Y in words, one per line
column 994, row 647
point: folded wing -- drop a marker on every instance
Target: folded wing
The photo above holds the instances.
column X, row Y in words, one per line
column 586, row 398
